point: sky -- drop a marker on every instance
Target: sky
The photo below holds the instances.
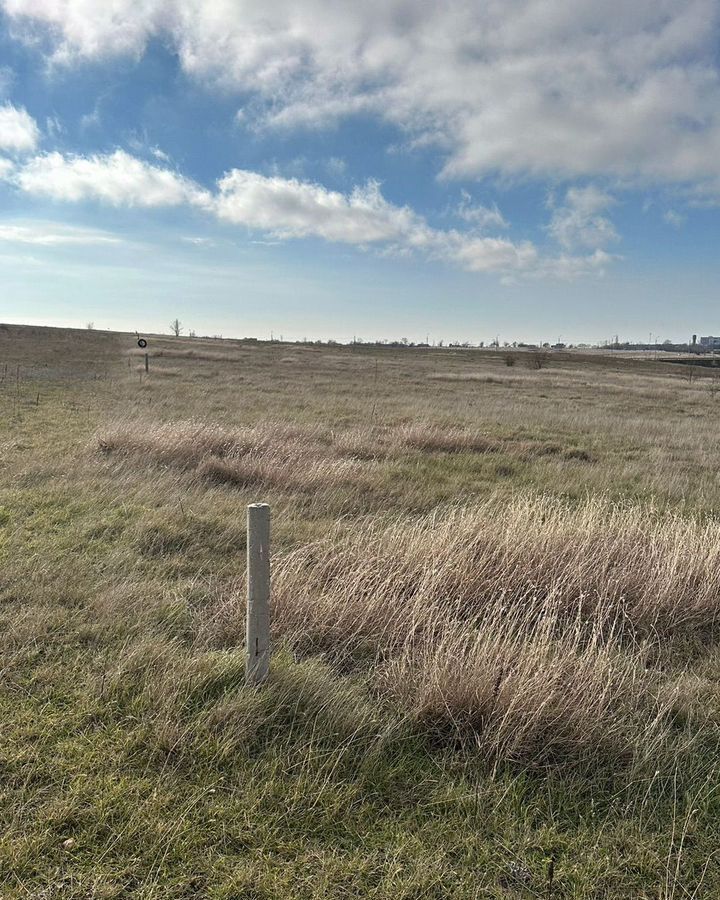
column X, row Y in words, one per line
column 458, row 170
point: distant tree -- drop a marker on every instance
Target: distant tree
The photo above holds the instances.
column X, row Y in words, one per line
column 90, row 326
column 176, row 327
column 191, row 333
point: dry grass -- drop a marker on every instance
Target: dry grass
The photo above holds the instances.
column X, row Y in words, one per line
column 537, row 700
column 187, row 442
column 539, row 584
column 531, row 623
column 302, row 457
column 638, row 572
column 446, row 440
column 479, row 377
column 162, row 371
column 200, row 354
column 268, row 454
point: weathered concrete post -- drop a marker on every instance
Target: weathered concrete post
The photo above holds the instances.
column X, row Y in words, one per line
column 147, row 363
column 257, row 630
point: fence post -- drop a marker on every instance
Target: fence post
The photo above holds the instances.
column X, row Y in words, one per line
column 147, row 363
column 257, row 629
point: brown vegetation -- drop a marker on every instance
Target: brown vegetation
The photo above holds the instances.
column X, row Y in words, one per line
column 529, row 622
column 521, row 565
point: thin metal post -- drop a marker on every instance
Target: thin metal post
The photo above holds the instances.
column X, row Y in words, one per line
column 257, row 629
column 147, row 363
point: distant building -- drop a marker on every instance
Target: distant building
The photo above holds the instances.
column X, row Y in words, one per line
column 712, row 343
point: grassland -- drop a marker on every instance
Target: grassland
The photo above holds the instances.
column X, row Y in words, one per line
column 495, row 590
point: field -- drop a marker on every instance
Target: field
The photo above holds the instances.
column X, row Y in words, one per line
column 495, row 600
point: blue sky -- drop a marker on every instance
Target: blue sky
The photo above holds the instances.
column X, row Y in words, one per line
column 533, row 169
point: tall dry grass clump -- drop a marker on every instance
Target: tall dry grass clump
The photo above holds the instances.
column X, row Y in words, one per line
column 294, row 456
column 617, row 564
column 445, row 440
column 187, row 443
column 528, row 624
column 268, row 454
column 528, row 697
column 280, row 455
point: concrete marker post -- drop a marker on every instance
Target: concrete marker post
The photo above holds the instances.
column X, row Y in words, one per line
column 257, row 628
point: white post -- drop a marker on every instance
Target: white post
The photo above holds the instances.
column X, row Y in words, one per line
column 257, row 631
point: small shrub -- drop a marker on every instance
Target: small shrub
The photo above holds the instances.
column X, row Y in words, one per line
column 538, row 359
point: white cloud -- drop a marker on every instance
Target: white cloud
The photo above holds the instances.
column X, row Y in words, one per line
column 281, row 209
column 198, row 241
column 18, row 129
column 568, row 267
column 54, row 127
column 674, row 218
column 579, row 223
column 335, row 167
column 117, row 178
column 90, row 29
column 92, row 120
column 160, row 154
column 525, row 87
column 522, row 261
column 489, row 254
column 286, row 207
column 7, row 167
column 50, row 234
column 477, row 214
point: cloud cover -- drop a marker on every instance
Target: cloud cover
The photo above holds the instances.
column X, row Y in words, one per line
column 283, row 208
column 579, row 221
column 117, row 178
column 566, row 88
column 51, row 234
column 18, row 130
column 289, row 208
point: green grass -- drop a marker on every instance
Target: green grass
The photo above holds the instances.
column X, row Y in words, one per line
column 299, row 803
column 133, row 760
